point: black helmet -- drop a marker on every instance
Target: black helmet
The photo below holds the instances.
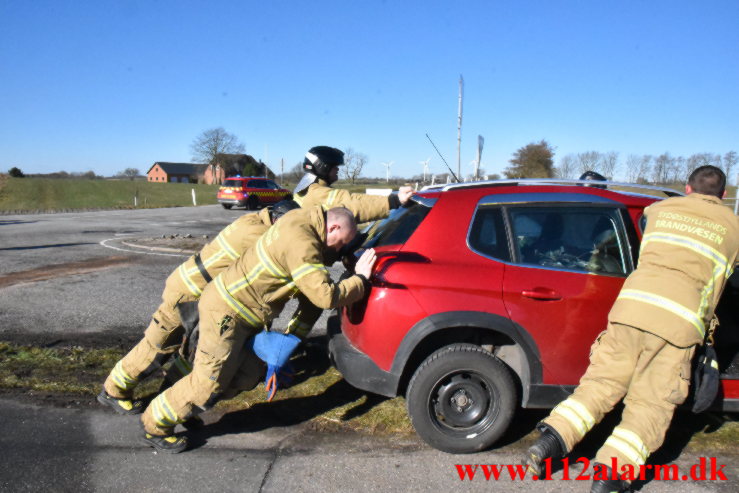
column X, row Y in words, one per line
column 592, row 175
column 281, row 208
column 320, row 159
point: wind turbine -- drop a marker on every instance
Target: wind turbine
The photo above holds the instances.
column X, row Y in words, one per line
column 387, row 170
column 425, row 168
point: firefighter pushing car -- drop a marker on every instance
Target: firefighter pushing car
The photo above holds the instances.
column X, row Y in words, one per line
column 287, row 259
column 688, row 252
column 164, row 335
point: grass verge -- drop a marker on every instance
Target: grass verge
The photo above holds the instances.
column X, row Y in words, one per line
column 319, row 395
column 44, row 194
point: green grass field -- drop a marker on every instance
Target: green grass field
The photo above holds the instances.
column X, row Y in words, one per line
column 44, row 194
column 54, row 195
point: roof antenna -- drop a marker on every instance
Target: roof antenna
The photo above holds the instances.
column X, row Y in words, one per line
column 442, row 158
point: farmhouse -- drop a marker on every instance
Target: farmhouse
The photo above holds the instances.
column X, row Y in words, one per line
column 224, row 165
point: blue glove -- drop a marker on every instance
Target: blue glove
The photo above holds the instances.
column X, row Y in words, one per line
column 275, row 349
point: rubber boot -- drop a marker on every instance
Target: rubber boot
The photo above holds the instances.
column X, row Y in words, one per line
column 609, row 485
column 548, row 445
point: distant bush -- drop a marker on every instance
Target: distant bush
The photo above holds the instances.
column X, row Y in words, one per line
column 63, row 175
column 16, row 172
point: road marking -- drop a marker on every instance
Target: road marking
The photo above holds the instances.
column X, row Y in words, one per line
column 131, row 250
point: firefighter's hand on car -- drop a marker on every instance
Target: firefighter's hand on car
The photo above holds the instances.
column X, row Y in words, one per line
column 365, row 263
column 404, row 194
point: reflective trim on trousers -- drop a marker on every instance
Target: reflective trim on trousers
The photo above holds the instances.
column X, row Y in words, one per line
column 629, row 444
column 576, row 414
column 122, row 379
column 162, row 412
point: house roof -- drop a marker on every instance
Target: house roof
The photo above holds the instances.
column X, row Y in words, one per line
column 180, row 168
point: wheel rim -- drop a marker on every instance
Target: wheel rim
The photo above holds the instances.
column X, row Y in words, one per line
column 463, row 403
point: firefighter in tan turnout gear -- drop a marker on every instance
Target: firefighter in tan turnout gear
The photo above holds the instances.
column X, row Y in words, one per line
column 321, row 166
column 688, row 252
column 287, row 259
column 164, row 335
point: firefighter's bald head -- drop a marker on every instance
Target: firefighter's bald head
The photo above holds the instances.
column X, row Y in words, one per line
column 341, row 227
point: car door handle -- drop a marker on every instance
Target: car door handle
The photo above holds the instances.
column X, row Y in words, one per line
column 541, row 294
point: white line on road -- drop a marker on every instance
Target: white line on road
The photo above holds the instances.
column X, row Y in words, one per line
column 104, row 243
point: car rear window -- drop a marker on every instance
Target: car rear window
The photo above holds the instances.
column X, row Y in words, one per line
column 397, row 227
column 487, row 234
column 232, row 183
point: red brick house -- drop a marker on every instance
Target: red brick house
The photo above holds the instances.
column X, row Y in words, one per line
column 176, row 172
column 225, row 165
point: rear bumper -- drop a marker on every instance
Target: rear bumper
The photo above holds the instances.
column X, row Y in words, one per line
column 237, row 202
column 355, row 366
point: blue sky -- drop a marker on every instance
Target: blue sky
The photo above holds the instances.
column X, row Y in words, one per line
column 107, row 85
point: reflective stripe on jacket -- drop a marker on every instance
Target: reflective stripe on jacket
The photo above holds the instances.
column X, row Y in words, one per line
column 364, row 207
column 228, row 246
column 688, row 252
column 287, row 259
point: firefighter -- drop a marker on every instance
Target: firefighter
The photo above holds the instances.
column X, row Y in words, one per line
column 688, row 252
column 321, row 166
column 165, row 333
column 287, row 259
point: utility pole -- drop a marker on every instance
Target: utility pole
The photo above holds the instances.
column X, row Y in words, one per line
column 459, row 128
column 282, row 171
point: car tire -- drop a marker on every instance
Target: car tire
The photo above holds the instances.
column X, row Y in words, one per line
column 461, row 399
column 227, row 206
column 252, row 203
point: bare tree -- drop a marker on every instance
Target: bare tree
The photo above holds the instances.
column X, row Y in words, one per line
column 608, row 164
column 588, row 161
column 295, row 173
column 353, row 164
column 214, row 141
column 129, row 173
column 644, row 166
column 633, row 166
column 567, row 167
column 662, row 164
column 730, row 160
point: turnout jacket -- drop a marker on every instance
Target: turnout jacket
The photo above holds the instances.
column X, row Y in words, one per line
column 287, row 259
column 225, row 249
column 364, row 207
column 688, row 252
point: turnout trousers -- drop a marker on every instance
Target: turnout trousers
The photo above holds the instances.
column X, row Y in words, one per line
column 161, row 338
column 649, row 373
column 222, row 368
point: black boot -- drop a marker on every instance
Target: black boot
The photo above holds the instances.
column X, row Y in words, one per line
column 548, row 445
column 609, row 485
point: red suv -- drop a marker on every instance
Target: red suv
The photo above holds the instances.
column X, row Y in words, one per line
column 487, row 296
column 250, row 192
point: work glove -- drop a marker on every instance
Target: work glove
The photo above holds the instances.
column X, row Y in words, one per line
column 275, row 349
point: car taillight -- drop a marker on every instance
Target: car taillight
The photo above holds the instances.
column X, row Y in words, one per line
column 386, row 260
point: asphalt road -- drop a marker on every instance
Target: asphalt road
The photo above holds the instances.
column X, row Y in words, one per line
column 68, row 276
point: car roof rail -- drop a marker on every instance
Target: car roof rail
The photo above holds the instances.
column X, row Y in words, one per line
column 669, row 192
